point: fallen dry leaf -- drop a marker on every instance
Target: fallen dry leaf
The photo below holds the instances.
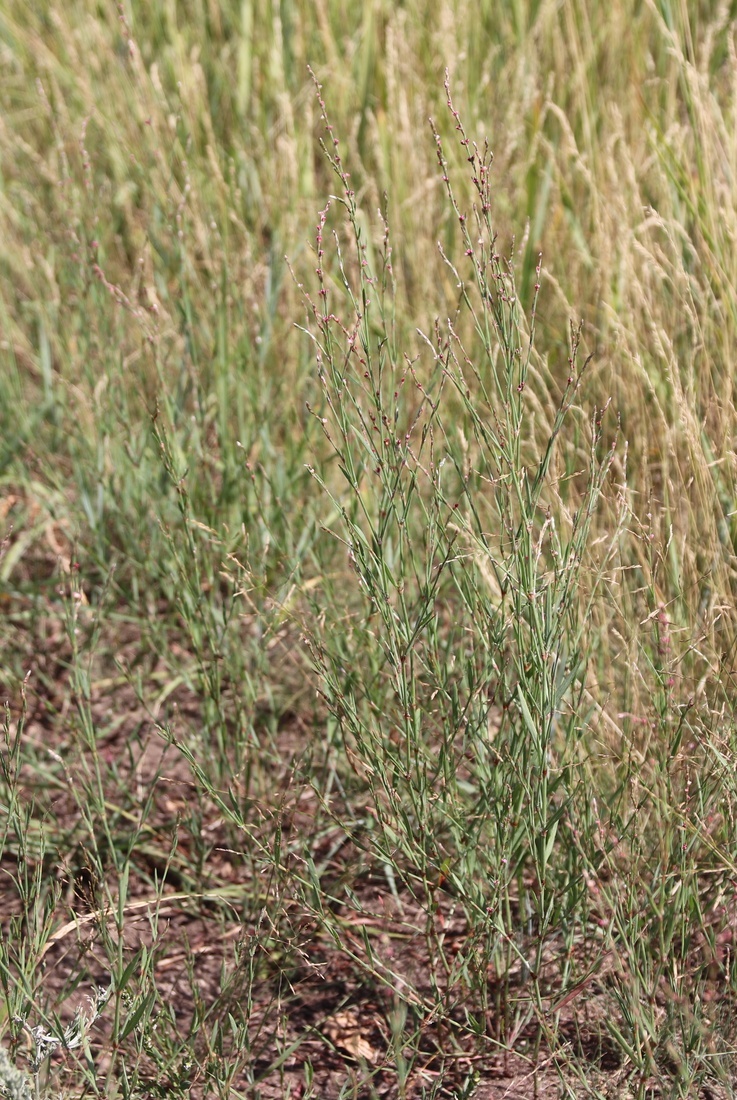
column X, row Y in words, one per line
column 345, row 1031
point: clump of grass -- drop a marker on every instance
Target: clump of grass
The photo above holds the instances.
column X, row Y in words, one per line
column 455, row 675
column 458, row 668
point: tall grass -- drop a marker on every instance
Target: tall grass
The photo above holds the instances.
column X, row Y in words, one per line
column 494, row 794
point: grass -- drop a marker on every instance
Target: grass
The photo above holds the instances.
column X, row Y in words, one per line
column 368, row 634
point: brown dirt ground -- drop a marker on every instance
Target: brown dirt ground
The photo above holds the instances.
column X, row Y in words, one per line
column 312, row 1008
